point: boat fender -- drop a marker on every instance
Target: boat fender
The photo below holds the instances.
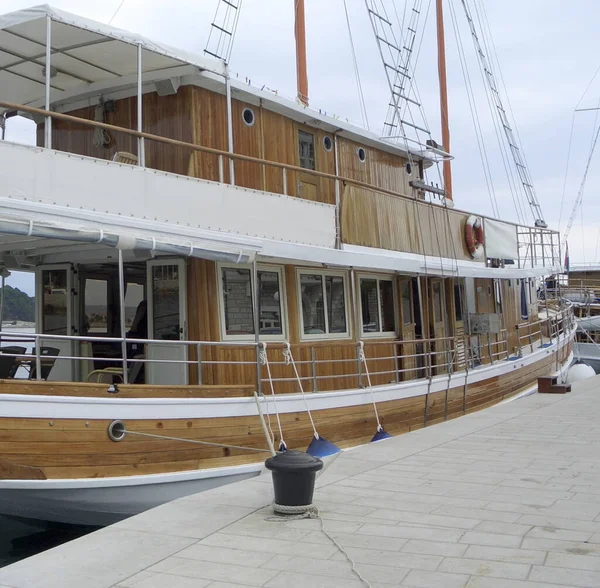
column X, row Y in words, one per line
column 474, row 237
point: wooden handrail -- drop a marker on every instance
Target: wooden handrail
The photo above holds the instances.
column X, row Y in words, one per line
column 194, row 147
column 235, row 156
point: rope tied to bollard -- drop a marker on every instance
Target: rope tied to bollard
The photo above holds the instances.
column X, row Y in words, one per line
column 117, row 432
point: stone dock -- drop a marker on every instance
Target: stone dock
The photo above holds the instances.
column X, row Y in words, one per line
column 508, row 497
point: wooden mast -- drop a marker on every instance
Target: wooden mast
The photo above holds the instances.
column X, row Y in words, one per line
column 301, row 75
column 443, row 95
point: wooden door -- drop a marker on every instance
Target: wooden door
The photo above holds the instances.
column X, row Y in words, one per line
column 166, row 322
column 407, row 349
column 437, row 325
column 55, row 300
column 308, row 184
column 456, row 308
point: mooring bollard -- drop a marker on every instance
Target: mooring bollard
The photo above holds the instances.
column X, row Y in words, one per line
column 294, row 474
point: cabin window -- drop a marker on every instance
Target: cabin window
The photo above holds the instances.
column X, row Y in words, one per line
column 437, row 302
column 237, row 295
column 323, row 304
column 95, row 318
column 55, row 302
column 306, row 148
column 377, row 306
column 248, row 117
column 327, row 143
column 459, row 301
column 405, row 292
column 362, row 154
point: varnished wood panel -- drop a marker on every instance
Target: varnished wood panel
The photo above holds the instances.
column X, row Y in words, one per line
column 72, row 448
column 373, row 219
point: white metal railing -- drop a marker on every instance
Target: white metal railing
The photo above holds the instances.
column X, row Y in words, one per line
column 405, row 360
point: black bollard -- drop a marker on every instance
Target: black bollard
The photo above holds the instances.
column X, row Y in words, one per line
column 294, row 474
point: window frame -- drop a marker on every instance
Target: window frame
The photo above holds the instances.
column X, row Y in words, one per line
column 378, row 334
column 301, row 131
column 280, row 271
column 320, row 336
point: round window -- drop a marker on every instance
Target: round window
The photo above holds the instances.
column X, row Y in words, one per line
column 408, row 169
column 327, row 143
column 248, row 116
column 362, row 154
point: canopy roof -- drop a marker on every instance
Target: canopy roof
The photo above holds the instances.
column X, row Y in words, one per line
column 84, row 52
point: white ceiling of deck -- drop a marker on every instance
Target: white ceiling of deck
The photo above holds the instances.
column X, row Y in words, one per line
column 84, row 52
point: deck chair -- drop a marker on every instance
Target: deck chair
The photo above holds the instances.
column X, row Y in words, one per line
column 7, row 365
column 110, row 375
column 47, row 360
column 125, row 157
column 14, row 350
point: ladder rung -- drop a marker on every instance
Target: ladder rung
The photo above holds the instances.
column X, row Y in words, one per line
column 412, row 30
column 405, row 122
column 379, row 16
column 403, row 97
column 230, row 4
column 394, row 68
column 387, row 43
column 389, row 125
column 221, row 29
column 213, row 54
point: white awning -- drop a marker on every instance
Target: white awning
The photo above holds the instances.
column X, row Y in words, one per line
column 33, row 229
column 84, row 53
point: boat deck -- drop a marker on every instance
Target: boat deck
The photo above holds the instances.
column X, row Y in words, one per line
column 505, row 497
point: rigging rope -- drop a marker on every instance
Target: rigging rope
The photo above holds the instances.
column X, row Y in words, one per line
column 487, row 171
column 362, row 358
column 116, row 12
column 289, row 360
column 195, row 441
column 361, row 97
column 264, row 360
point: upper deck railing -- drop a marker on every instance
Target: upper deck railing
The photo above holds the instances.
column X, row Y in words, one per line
column 537, row 247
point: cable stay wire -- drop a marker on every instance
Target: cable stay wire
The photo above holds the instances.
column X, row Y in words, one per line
column 516, row 153
column 116, row 12
column 361, row 96
column 580, row 193
column 487, row 172
column 497, row 70
column 223, row 29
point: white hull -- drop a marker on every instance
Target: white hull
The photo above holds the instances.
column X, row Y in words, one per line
column 103, row 501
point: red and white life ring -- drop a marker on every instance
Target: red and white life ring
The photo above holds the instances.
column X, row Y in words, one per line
column 474, row 237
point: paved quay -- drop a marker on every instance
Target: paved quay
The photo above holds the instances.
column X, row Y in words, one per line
column 508, row 497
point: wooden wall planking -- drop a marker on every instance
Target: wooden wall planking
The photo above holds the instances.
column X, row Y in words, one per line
column 199, row 116
column 383, row 221
column 75, row 448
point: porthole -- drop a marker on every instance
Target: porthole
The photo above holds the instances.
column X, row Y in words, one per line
column 248, row 116
column 408, row 168
column 362, row 154
column 327, row 143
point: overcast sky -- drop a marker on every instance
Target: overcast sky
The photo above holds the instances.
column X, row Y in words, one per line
column 546, row 49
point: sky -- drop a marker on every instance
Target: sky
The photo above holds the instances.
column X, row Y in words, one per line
column 545, row 48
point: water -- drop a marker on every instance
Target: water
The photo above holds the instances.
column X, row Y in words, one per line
column 19, row 540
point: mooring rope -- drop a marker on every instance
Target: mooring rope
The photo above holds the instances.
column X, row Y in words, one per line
column 362, row 358
column 312, row 512
column 264, row 360
column 195, row 441
column 289, row 360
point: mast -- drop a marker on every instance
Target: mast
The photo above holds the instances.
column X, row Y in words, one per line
column 443, row 96
column 301, row 75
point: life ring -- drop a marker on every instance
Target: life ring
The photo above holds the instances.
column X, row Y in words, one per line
column 474, row 237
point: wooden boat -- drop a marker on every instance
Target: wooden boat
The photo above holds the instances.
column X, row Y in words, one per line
column 273, row 250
